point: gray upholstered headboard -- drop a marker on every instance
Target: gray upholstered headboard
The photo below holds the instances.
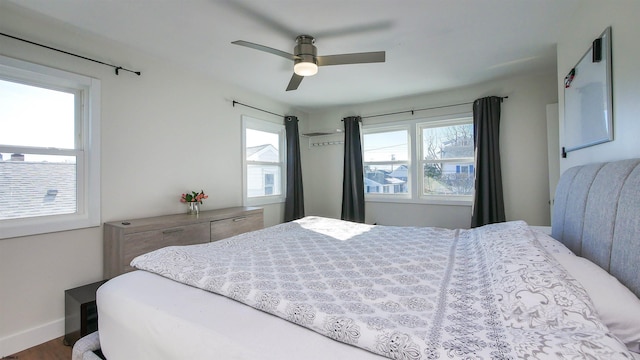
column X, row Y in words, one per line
column 596, row 214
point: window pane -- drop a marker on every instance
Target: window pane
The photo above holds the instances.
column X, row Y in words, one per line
column 386, row 146
column 447, row 142
column 263, row 180
column 34, row 116
column 37, row 185
column 455, row 178
column 386, row 179
column 262, row 146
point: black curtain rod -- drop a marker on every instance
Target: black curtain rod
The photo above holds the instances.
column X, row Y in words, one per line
column 370, row 116
column 430, row 108
column 249, row 106
column 118, row 68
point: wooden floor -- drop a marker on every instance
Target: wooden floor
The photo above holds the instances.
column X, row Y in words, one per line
column 51, row 350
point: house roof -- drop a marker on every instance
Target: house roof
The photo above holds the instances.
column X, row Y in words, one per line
column 369, row 182
column 254, row 149
column 265, row 152
column 400, row 171
column 387, row 181
column 30, row 189
column 394, row 181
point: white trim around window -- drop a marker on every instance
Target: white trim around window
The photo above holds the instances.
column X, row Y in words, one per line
column 414, row 150
column 388, row 156
column 263, row 178
column 86, row 149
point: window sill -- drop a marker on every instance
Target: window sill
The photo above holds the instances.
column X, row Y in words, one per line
column 446, row 202
column 264, row 201
column 46, row 224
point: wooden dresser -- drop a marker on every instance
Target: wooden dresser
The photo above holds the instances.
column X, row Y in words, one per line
column 126, row 239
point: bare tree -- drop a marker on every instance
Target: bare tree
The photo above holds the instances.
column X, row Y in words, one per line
column 453, row 142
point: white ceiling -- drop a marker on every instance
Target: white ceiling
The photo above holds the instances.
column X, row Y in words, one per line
column 430, row 45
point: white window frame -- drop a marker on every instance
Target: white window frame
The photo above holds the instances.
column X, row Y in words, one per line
column 409, row 162
column 87, row 149
column 416, row 180
column 266, row 126
column 449, row 121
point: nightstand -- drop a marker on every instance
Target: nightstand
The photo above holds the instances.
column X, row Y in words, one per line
column 81, row 313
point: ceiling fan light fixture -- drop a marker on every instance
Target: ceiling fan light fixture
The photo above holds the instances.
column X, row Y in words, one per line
column 304, row 68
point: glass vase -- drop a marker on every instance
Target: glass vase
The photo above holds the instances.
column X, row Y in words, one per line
column 194, row 208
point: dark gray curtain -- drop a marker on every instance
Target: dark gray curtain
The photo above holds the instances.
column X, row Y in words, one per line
column 353, row 180
column 294, row 202
column 488, row 206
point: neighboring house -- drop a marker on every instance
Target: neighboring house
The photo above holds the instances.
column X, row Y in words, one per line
column 29, row 189
column 262, row 179
column 457, row 177
column 457, row 149
column 372, row 186
column 266, row 153
column 401, row 172
column 383, row 182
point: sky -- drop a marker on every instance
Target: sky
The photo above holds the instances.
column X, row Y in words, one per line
column 386, row 146
column 33, row 116
column 257, row 137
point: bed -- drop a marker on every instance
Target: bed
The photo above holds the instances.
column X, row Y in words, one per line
column 321, row 288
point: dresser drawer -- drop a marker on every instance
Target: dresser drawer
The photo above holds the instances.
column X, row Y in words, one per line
column 223, row 229
column 144, row 242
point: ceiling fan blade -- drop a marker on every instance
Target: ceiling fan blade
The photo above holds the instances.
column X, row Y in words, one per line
column 354, row 29
column 294, row 82
column 355, row 58
column 260, row 16
column 284, row 54
column 269, row 17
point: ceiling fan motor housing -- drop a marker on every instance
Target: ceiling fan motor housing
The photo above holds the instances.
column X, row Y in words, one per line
column 305, row 50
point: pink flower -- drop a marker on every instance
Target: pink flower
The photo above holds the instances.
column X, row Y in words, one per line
column 194, row 197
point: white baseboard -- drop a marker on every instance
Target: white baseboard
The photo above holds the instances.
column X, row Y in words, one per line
column 31, row 337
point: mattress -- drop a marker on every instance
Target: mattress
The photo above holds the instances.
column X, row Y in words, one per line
column 407, row 293
column 146, row 316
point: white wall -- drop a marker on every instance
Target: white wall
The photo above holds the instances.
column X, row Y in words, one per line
column 523, row 151
column 581, row 29
column 162, row 133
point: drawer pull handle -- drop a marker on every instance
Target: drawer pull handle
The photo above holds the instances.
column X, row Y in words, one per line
column 240, row 219
column 170, row 231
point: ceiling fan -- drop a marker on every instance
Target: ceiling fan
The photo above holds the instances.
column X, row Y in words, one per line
column 306, row 60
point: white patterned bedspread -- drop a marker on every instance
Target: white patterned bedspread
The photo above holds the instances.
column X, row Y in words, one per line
column 403, row 292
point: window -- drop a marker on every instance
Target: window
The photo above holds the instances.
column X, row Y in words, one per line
column 386, row 161
column 49, row 149
column 264, row 163
column 447, row 158
column 268, row 183
column 437, row 155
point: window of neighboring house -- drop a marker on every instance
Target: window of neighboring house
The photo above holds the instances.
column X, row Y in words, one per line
column 264, row 161
column 386, row 159
column 441, row 149
column 49, row 144
column 269, row 183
